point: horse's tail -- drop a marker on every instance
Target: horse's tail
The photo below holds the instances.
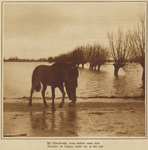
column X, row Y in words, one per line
column 35, row 80
column 38, row 87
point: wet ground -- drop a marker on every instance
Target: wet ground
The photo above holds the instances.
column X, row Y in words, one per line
column 97, row 117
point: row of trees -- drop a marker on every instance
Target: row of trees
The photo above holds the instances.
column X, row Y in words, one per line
column 123, row 48
column 96, row 55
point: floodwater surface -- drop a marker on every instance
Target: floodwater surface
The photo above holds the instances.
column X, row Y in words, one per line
column 91, row 83
column 101, row 109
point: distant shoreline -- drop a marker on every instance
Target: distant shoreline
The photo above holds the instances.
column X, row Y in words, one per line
column 33, row 60
column 25, row 61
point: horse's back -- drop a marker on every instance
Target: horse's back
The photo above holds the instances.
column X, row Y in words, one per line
column 46, row 74
column 38, row 71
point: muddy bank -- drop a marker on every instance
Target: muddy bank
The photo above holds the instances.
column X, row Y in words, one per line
column 89, row 118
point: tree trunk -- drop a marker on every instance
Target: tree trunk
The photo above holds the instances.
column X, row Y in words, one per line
column 117, row 67
column 99, row 67
column 77, row 65
column 143, row 66
column 143, row 74
column 90, row 65
column 82, row 65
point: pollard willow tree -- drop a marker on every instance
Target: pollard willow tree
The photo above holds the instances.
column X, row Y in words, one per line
column 101, row 55
column 137, row 43
column 120, row 50
column 96, row 55
column 91, row 56
column 78, row 56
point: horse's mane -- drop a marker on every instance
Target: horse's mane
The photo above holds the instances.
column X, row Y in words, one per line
column 58, row 64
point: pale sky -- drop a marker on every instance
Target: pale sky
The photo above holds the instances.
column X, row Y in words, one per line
column 37, row 30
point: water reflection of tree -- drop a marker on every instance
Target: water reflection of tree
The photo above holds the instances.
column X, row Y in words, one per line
column 118, row 85
column 122, row 86
column 143, row 88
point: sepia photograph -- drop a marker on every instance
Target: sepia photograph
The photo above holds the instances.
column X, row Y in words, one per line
column 73, row 71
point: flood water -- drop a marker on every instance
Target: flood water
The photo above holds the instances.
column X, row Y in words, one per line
column 91, row 117
column 91, row 83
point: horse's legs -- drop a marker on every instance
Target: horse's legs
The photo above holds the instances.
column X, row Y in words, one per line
column 63, row 96
column 53, row 96
column 43, row 94
column 31, row 93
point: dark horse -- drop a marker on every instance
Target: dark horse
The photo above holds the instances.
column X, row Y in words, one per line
column 53, row 76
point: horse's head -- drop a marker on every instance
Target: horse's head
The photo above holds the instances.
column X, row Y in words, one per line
column 64, row 69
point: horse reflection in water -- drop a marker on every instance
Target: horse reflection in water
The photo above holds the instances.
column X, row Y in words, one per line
column 53, row 76
column 61, row 124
